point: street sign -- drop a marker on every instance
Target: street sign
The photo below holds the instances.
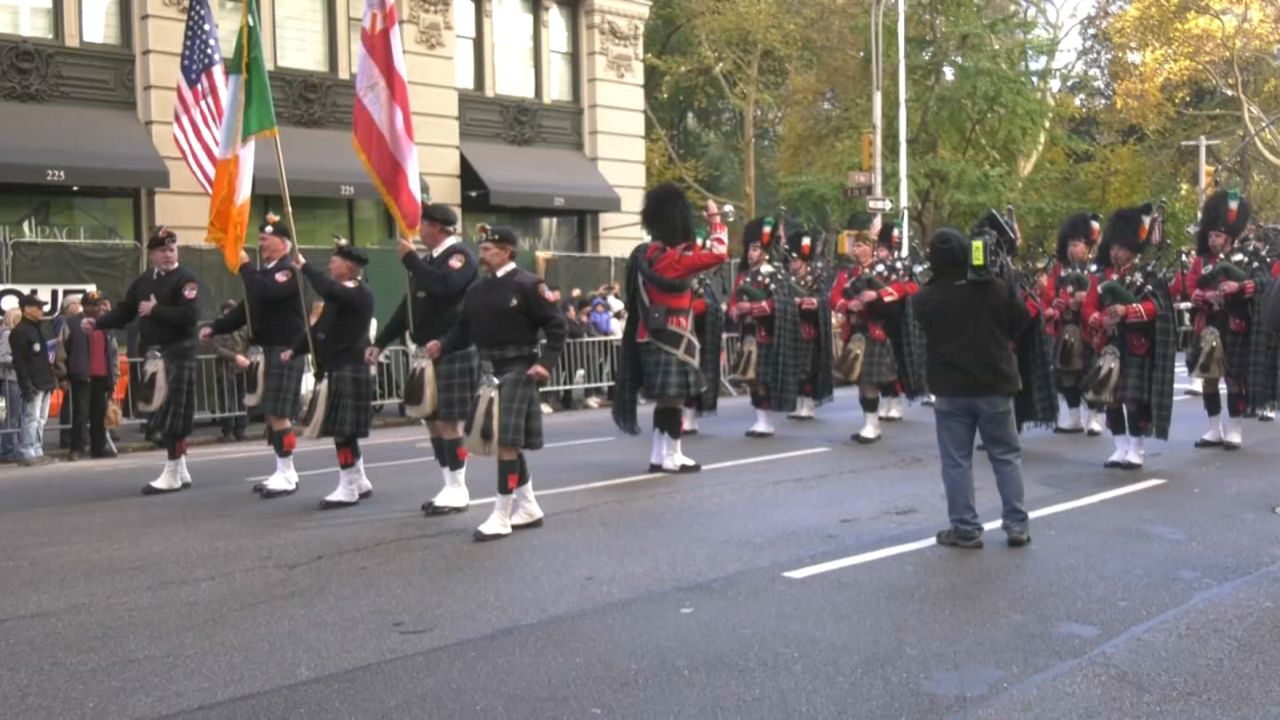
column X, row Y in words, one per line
column 879, row 204
column 859, row 179
column 857, row 192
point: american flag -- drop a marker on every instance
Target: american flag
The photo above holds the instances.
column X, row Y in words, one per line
column 876, row 224
column 202, row 90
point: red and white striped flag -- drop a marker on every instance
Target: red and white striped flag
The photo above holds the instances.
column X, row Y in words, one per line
column 382, row 125
column 876, row 224
column 202, row 91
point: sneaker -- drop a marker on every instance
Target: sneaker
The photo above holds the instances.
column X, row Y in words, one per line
column 1018, row 538
column 953, row 538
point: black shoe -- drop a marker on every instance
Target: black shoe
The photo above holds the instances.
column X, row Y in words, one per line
column 856, row 437
column 1202, row 443
column 1067, row 431
column 336, row 505
column 430, row 509
column 952, row 538
column 1019, row 538
column 1094, row 433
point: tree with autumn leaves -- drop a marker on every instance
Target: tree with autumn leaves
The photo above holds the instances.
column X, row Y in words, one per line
column 1054, row 105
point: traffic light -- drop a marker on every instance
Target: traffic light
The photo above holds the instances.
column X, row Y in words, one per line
column 868, row 151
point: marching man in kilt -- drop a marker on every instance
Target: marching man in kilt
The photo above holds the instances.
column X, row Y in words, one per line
column 343, row 380
column 660, row 354
column 276, row 321
column 1129, row 317
column 864, row 296
column 1063, row 298
column 1223, row 294
column 708, row 325
column 502, row 315
column 164, row 300
column 892, row 401
column 762, row 304
column 439, row 281
column 816, row 386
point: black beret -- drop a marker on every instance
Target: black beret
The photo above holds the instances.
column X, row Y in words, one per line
column 440, row 214
column 500, row 236
column 272, row 226
column 161, row 237
column 345, row 250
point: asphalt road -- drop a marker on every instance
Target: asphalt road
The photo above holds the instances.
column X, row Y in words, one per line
column 650, row 596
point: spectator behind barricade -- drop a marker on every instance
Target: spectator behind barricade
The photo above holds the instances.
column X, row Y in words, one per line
column 73, row 351
column 32, row 349
column 969, row 322
column 10, row 392
column 104, row 372
column 575, row 295
column 230, row 381
column 601, row 318
column 577, row 330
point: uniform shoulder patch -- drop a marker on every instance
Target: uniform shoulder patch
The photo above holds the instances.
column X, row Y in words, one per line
column 190, row 290
column 283, row 276
column 457, row 261
column 546, row 293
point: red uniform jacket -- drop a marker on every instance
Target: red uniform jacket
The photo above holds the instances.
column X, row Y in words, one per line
column 1137, row 325
column 677, row 263
column 871, row 318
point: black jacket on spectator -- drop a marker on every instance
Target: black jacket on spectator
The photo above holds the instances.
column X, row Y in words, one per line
column 439, row 285
column 969, row 329
column 30, row 344
column 172, row 323
column 342, row 332
column 76, row 345
column 275, row 305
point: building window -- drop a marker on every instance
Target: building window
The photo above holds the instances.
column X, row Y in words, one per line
column 515, row 64
column 355, row 20
column 563, row 41
column 103, row 22
column 538, row 233
column 227, row 14
column 465, row 58
column 303, row 38
column 29, row 18
column 363, row 222
column 79, row 216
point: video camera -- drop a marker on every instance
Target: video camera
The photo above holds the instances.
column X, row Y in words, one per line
column 991, row 239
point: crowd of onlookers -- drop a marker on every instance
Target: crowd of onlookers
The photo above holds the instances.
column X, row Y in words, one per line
column 600, row 314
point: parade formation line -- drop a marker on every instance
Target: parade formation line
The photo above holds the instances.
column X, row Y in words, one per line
column 863, row 558
column 410, row 461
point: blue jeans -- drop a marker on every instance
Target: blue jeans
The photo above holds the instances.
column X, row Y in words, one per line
column 957, row 419
column 34, row 416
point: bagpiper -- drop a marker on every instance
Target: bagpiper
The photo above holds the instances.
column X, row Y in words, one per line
column 1065, row 288
column 708, row 326
column 1129, row 319
column 864, row 296
column 1222, row 289
column 343, row 409
column 762, row 305
column 904, row 334
column 273, row 312
column 660, row 354
column 439, row 281
column 502, row 315
column 808, row 288
column 165, row 301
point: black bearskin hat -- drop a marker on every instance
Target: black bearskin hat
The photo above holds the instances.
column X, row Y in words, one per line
column 1083, row 226
column 802, row 245
column 1224, row 212
column 994, row 224
column 667, row 216
column 1128, row 228
column 889, row 236
column 754, row 233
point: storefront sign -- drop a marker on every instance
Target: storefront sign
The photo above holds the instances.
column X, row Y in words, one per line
column 52, row 294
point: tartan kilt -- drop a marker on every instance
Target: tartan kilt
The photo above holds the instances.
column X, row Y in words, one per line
column 282, row 391
column 457, row 380
column 519, row 406
column 176, row 414
column 1135, row 376
column 807, row 350
column 879, row 367
column 348, row 410
column 665, row 376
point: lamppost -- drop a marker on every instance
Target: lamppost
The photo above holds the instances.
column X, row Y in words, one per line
column 877, row 108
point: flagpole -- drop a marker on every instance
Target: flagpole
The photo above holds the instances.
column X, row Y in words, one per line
column 293, row 233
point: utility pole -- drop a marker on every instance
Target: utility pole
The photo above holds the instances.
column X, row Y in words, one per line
column 902, row 126
column 1203, row 144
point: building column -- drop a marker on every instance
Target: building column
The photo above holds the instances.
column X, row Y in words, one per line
column 428, row 38
column 615, row 122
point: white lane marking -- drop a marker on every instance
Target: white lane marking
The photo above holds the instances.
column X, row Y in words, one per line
column 655, row 476
column 842, row 563
column 410, row 461
column 570, row 443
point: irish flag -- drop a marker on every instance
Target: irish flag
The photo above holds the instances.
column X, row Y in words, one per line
column 249, row 115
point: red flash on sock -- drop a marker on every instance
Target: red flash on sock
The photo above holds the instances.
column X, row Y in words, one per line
column 462, row 454
column 513, row 481
column 181, row 448
column 346, row 457
column 290, row 442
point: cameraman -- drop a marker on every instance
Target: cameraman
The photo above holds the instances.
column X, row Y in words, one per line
column 970, row 319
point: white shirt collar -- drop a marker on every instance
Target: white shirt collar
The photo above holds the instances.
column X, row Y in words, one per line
column 271, row 264
column 450, row 242
column 505, row 269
